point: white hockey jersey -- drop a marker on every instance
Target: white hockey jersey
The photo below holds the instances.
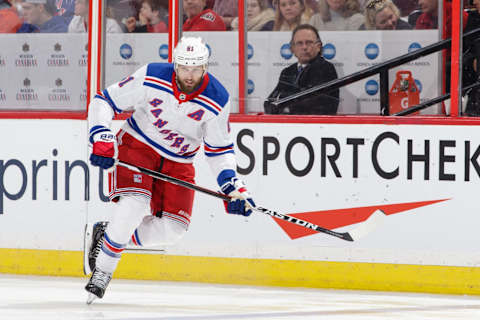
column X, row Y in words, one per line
column 173, row 123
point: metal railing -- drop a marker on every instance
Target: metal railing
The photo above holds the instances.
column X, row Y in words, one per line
column 383, row 69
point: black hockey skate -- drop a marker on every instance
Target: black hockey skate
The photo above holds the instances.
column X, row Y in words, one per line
column 97, row 284
column 93, row 240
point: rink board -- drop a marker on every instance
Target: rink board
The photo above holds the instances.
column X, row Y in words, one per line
column 424, row 176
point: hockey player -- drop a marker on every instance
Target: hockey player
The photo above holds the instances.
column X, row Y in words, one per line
column 176, row 107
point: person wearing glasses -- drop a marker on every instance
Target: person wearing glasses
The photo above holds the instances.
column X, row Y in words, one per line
column 310, row 70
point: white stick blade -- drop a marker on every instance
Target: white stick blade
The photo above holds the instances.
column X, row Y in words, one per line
column 368, row 225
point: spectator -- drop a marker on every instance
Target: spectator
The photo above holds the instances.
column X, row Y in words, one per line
column 383, row 15
column 199, row 18
column 337, row 15
column 310, row 70
column 428, row 19
column 260, row 17
column 40, row 16
column 65, row 9
column 10, row 22
column 79, row 22
column 227, row 9
column 289, row 14
column 152, row 18
column 406, row 7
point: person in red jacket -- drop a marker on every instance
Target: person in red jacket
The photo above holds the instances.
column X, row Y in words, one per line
column 10, row 22
column 201, row 19
column 429, row 17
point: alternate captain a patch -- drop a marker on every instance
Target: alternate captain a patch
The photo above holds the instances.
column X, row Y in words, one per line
column 197, row 115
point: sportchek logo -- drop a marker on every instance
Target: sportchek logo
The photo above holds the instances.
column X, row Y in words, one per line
column 332, row 219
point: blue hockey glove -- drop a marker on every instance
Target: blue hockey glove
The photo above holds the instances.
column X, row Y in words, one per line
column 241, row 202
column 104, row 147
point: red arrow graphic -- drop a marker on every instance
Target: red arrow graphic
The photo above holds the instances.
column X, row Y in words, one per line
column 332, row 219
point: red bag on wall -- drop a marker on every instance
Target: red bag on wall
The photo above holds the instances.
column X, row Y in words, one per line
column 404, row 93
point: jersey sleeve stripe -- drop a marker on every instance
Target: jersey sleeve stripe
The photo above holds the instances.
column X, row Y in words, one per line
column 133, row 124
column 215, row 147
column 109, row 100
column 212, row 154
column 211, row 151
column 159, row 81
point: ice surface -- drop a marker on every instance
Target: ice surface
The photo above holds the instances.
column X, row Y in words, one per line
column 42, row 298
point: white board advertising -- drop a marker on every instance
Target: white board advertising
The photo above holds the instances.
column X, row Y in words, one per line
column 50, row 73
column 426, row 177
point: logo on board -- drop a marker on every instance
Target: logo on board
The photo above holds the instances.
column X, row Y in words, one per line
column 329, row 51
column 285, row 51
column 249, row 51
column 163, row 51
column 250, row 86
column 414, row 46
column 126, row 51
column 372, row 51
column 371, row 87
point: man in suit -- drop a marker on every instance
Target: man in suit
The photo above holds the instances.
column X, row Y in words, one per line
column 310, row 70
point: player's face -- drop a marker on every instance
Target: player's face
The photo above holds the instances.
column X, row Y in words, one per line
column 81, row 8
column 290, row 9
column 305, row 45
column 31, row 12
column 386, row 19
column 193, row 7
column 253, row 9
column 189, row 77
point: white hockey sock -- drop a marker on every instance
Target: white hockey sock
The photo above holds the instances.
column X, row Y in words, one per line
column 157, row 231
column 109, row 256
column 127, row 215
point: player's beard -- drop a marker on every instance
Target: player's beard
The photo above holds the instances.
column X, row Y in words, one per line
column 188, row 86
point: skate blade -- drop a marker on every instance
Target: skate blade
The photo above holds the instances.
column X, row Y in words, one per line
column 91, row 297
column 87, row 239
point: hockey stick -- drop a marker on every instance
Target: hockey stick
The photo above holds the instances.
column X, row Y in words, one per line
column 352, row 235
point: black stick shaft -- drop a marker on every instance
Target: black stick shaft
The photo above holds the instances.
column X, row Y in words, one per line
column 158, row 175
